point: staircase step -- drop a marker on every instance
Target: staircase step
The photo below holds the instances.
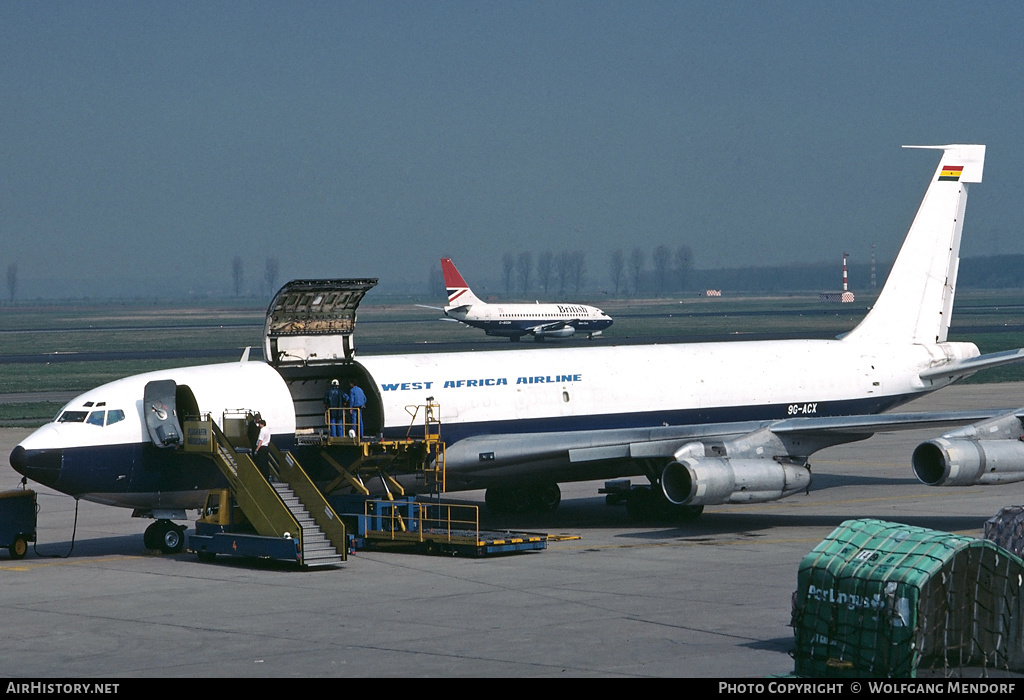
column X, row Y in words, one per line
column 327, row 561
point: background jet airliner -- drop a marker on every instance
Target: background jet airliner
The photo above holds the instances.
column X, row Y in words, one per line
column 706, row 423
column 516, row 320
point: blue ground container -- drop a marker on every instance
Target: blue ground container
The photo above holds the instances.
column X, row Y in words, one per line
column 17, row 521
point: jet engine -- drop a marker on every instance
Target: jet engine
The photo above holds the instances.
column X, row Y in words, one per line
column 942, row 462
column 563, row 332
column 709, row 481
column 990, row 452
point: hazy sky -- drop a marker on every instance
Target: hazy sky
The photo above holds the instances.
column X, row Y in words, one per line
column 160, row 139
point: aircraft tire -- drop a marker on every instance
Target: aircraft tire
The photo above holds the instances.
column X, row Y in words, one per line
column 519, row 500
column 546, row 497
column 149, row 539
column 509, row 500
column 687, row 514
column 166, row 536
column 172, row 541
column 18, row 548
column 497, row 500
column 645, row 505
column 638, row 504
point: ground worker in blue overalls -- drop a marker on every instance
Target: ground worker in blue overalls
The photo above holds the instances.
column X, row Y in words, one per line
column 334, row 400
column 355, row 399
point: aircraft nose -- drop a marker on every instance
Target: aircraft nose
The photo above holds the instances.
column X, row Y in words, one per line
column 42, row 466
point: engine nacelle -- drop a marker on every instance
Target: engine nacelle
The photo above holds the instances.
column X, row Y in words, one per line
column 707, row 481
column 962, row 462
column 563, row 332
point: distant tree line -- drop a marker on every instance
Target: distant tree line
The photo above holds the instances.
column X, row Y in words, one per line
column 795, row 277
column 986, row 272
column 665, row 271
column 992, row 272
column 669, row 272
column 271, row 271
column 566, row 271
column 562, row 272
column 12, row 280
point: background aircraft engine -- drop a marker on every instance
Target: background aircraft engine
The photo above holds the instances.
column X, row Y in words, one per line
column 963, row 462
column 557, row 333
column 714, row 480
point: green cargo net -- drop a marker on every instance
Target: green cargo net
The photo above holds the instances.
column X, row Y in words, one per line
column 884, row 599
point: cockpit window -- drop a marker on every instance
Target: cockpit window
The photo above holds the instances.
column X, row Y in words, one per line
column 73, row 417
column 99, row 418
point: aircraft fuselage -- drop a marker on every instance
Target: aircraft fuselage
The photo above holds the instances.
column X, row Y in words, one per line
column 486, row 399
column 541, row 320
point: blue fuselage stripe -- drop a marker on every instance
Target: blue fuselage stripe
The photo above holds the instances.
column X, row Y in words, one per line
column 523, row 325
column 453, row 432
column 144, row 468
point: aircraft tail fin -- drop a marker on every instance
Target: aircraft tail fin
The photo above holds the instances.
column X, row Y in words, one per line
column 459, row 293
column 917, row 300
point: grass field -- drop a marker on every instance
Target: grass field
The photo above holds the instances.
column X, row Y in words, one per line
column 992, row 320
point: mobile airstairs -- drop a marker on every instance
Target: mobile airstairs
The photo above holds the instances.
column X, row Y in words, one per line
column 273, row 510
column 274, row 513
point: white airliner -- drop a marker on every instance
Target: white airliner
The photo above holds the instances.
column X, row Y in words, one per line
column 706, row 423
column 516, row 320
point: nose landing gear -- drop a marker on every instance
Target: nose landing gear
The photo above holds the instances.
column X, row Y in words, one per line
column 165, row 535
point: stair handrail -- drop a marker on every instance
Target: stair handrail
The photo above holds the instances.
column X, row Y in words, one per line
column 260, row 502
column 292, row 473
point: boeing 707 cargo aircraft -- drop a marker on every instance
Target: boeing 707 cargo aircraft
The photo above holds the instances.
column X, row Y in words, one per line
column 706, row 423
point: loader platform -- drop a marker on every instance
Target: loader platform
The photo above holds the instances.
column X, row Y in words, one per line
column 433, row 528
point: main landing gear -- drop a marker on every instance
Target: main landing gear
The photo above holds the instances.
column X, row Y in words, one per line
column 533, row 498
column 645, row 504
column 165, row 535
column 648, row 503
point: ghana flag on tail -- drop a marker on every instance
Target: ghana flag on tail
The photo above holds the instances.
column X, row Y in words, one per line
column 950, row 172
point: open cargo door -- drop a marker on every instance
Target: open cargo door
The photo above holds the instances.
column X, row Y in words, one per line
column 313, row 322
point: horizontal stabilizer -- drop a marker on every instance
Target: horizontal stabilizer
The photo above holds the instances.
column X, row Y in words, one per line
column 962, row 368
column 960, row 162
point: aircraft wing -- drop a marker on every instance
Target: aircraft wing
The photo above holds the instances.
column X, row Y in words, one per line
column 582, row 455
column 868, row 425
column 664, row 442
